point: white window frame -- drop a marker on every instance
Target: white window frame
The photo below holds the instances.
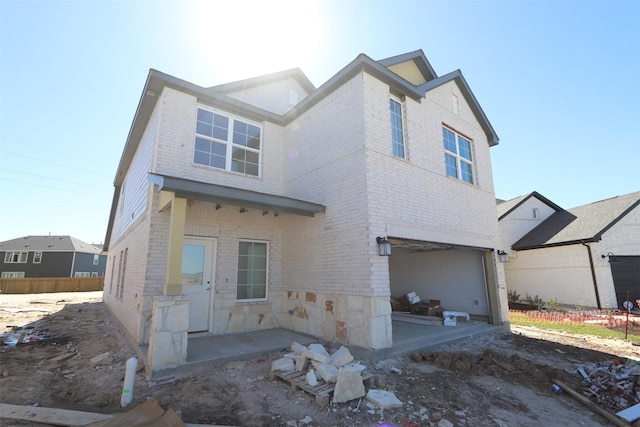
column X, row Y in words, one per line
column 266, row 289
column 458, row 157
column 394, row 128
column 94, row 274
column 96, row 259
column 228, row 143
column 13, row 274
column 37, row 257
column 82, row 274
column 21, row 257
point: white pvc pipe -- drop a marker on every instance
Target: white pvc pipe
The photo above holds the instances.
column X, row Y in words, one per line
column 129, row 378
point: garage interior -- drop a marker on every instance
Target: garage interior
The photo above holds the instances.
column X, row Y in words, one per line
column 452, row 277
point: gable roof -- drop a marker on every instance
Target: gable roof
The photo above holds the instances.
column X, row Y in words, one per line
column 582, row 224
column 293, row 73
column 504, row 208
column 217, row 95
column 419, row 61
column 49, row 244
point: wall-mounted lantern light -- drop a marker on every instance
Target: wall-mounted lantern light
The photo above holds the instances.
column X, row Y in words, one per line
column 612, row 258
column 504, row 257
column 384, row 246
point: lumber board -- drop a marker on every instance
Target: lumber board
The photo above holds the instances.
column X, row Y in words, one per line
column 53, row 416
column 61, row 417
column 630, row 414
column 608, row 415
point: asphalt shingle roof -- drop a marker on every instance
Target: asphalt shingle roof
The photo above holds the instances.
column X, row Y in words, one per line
column 584, row 223
column 50, row 244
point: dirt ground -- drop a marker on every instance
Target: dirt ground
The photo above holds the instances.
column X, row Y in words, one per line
column 502, row 379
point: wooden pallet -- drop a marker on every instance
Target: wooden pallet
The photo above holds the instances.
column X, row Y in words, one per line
column 322, row 391
column 298, row 380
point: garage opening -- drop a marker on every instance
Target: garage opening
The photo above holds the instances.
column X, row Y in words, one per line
column 442, row 277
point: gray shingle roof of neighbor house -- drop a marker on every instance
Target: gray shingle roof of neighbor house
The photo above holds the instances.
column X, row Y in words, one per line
column 582, row 224
column 157, row 81
column 49, row 244
column 505, row 207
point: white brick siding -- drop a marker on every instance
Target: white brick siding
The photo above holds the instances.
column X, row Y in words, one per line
column 326, row 269
column 177, row 140
column 520, row 221
column 135, row 186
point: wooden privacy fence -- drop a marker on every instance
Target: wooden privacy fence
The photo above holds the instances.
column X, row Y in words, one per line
column 38, row 285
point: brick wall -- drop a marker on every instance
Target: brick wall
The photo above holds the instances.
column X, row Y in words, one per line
column 176, row 142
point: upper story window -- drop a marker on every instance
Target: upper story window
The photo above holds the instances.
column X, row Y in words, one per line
column 397, row 133
column 457, row 156
column 96, row 259
column 227, row 143
column 534, row 213
column 15, row 257
column 37, row 257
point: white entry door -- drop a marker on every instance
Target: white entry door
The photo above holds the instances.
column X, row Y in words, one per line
column 197, row 280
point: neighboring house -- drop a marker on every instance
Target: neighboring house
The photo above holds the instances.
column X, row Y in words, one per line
column 51, row 256
column 588, row 256
column 260, row 203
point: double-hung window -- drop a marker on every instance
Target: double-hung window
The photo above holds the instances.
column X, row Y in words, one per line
column 397, row 133
column 15, row 257
column 37, row 257
column 457, row 156
column 252, row 270
column 228, row 143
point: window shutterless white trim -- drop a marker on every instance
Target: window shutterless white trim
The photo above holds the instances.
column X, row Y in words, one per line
column 253, row 271
column 94, row 274
column 96, row 259
column 15, row 257
column 397, row 126
column 82, row 274
column 13, row 274
column 457, row 156
column 37, row 257
column 227, row 142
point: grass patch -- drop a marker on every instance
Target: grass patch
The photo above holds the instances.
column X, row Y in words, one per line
column 521, row 319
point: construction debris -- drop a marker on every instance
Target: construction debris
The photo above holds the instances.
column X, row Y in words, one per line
column 330, row 374
column 612, row 385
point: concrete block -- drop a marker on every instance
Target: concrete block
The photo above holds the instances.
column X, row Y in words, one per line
column 383, row 399
column 301, row 363
column 354, row 367
column 349, row 386
column 341, row 357
column 298, row 348
column 101, row 359
column 318, row 353
column 282, row 364
column 311, row 378
column 326, row 371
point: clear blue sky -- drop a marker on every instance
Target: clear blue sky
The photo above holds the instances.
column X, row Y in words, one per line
column 559, row 81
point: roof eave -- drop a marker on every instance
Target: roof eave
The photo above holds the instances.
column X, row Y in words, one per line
column 536, row 195
column 215, row 193
column 457, row 76
column 556, row 244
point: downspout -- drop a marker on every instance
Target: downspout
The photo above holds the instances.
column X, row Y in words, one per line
column 73, row 263
column 593, row 275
